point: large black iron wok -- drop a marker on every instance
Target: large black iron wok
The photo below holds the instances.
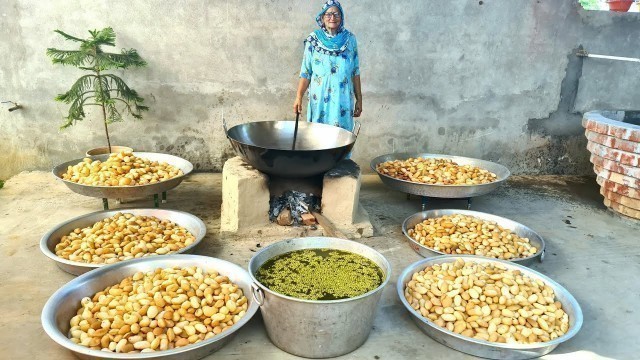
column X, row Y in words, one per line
column 267, row 146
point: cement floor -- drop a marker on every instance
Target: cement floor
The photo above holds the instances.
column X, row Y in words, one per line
column 591, row 251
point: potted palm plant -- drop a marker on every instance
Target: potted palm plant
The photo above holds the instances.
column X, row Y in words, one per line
column 99, row 88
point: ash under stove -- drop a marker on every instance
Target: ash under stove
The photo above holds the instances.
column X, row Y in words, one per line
column 293, row 208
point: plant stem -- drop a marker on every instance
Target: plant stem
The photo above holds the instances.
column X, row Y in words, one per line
column 106, row 129
column 104, row 111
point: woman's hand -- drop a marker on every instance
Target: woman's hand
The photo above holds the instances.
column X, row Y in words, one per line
column 303, row 85
column 357, row 110
column 357, row 92
column 297, row 105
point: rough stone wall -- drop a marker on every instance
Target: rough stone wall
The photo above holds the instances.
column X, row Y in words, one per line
column 491, row 79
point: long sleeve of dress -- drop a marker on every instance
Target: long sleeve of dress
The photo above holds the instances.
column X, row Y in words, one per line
column 305, row 69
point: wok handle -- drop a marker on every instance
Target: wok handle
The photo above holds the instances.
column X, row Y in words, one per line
column 356, row 124
column 224, row 124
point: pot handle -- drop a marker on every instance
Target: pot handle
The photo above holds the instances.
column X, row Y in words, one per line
column 356, row 124
column 258, row 294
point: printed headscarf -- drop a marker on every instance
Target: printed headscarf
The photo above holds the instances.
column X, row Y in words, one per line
column 321, row 41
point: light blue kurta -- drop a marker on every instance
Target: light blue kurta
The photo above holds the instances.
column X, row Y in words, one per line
column 331, row 96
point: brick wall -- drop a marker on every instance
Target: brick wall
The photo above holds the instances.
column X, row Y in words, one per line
column 615, row 155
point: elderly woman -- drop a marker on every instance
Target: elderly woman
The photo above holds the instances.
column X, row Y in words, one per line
column 331, row 71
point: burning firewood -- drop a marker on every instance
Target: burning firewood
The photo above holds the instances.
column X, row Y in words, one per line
column 298, row 204
column 308, row 219
column 285, row 218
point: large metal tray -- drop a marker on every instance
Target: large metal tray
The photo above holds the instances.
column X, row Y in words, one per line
column 520, row 230
column 64, row 303
column 483, row 348
column 442, row 191
column 49, row 241
column 127, row 192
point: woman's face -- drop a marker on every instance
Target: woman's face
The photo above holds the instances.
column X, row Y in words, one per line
column 332, row 18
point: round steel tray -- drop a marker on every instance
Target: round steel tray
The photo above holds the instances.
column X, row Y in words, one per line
column 442, row 191
column 127, row 192
column 49, row 241
column 520, row 230
column 64, row 303
column 483, row 348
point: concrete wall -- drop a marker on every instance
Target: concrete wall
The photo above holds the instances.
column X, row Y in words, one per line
column 490, row 79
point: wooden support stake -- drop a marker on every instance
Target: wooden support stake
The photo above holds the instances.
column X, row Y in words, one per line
column 328, row 226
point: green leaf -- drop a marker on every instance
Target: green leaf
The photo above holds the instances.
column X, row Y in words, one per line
column 105, row 36
column 126, row 59
column 122, row 89
column 101, row 88
column 76, row 112
column 67, row 123
column 69, row 57
column 113, row 115
column 83, row 85
column 140, row 108
column 69, row 37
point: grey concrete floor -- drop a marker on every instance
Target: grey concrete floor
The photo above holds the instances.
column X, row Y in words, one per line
column 594, row 253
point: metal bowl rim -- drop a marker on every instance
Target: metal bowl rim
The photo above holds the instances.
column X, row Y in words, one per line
column 297, row 150
column 421, row 264
column 425, row 215
column 369, row 293
column 51, row 255
column 107, row 147
column 181, row 177
column 56, row 335
column 376, row 161
column 288, row 150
